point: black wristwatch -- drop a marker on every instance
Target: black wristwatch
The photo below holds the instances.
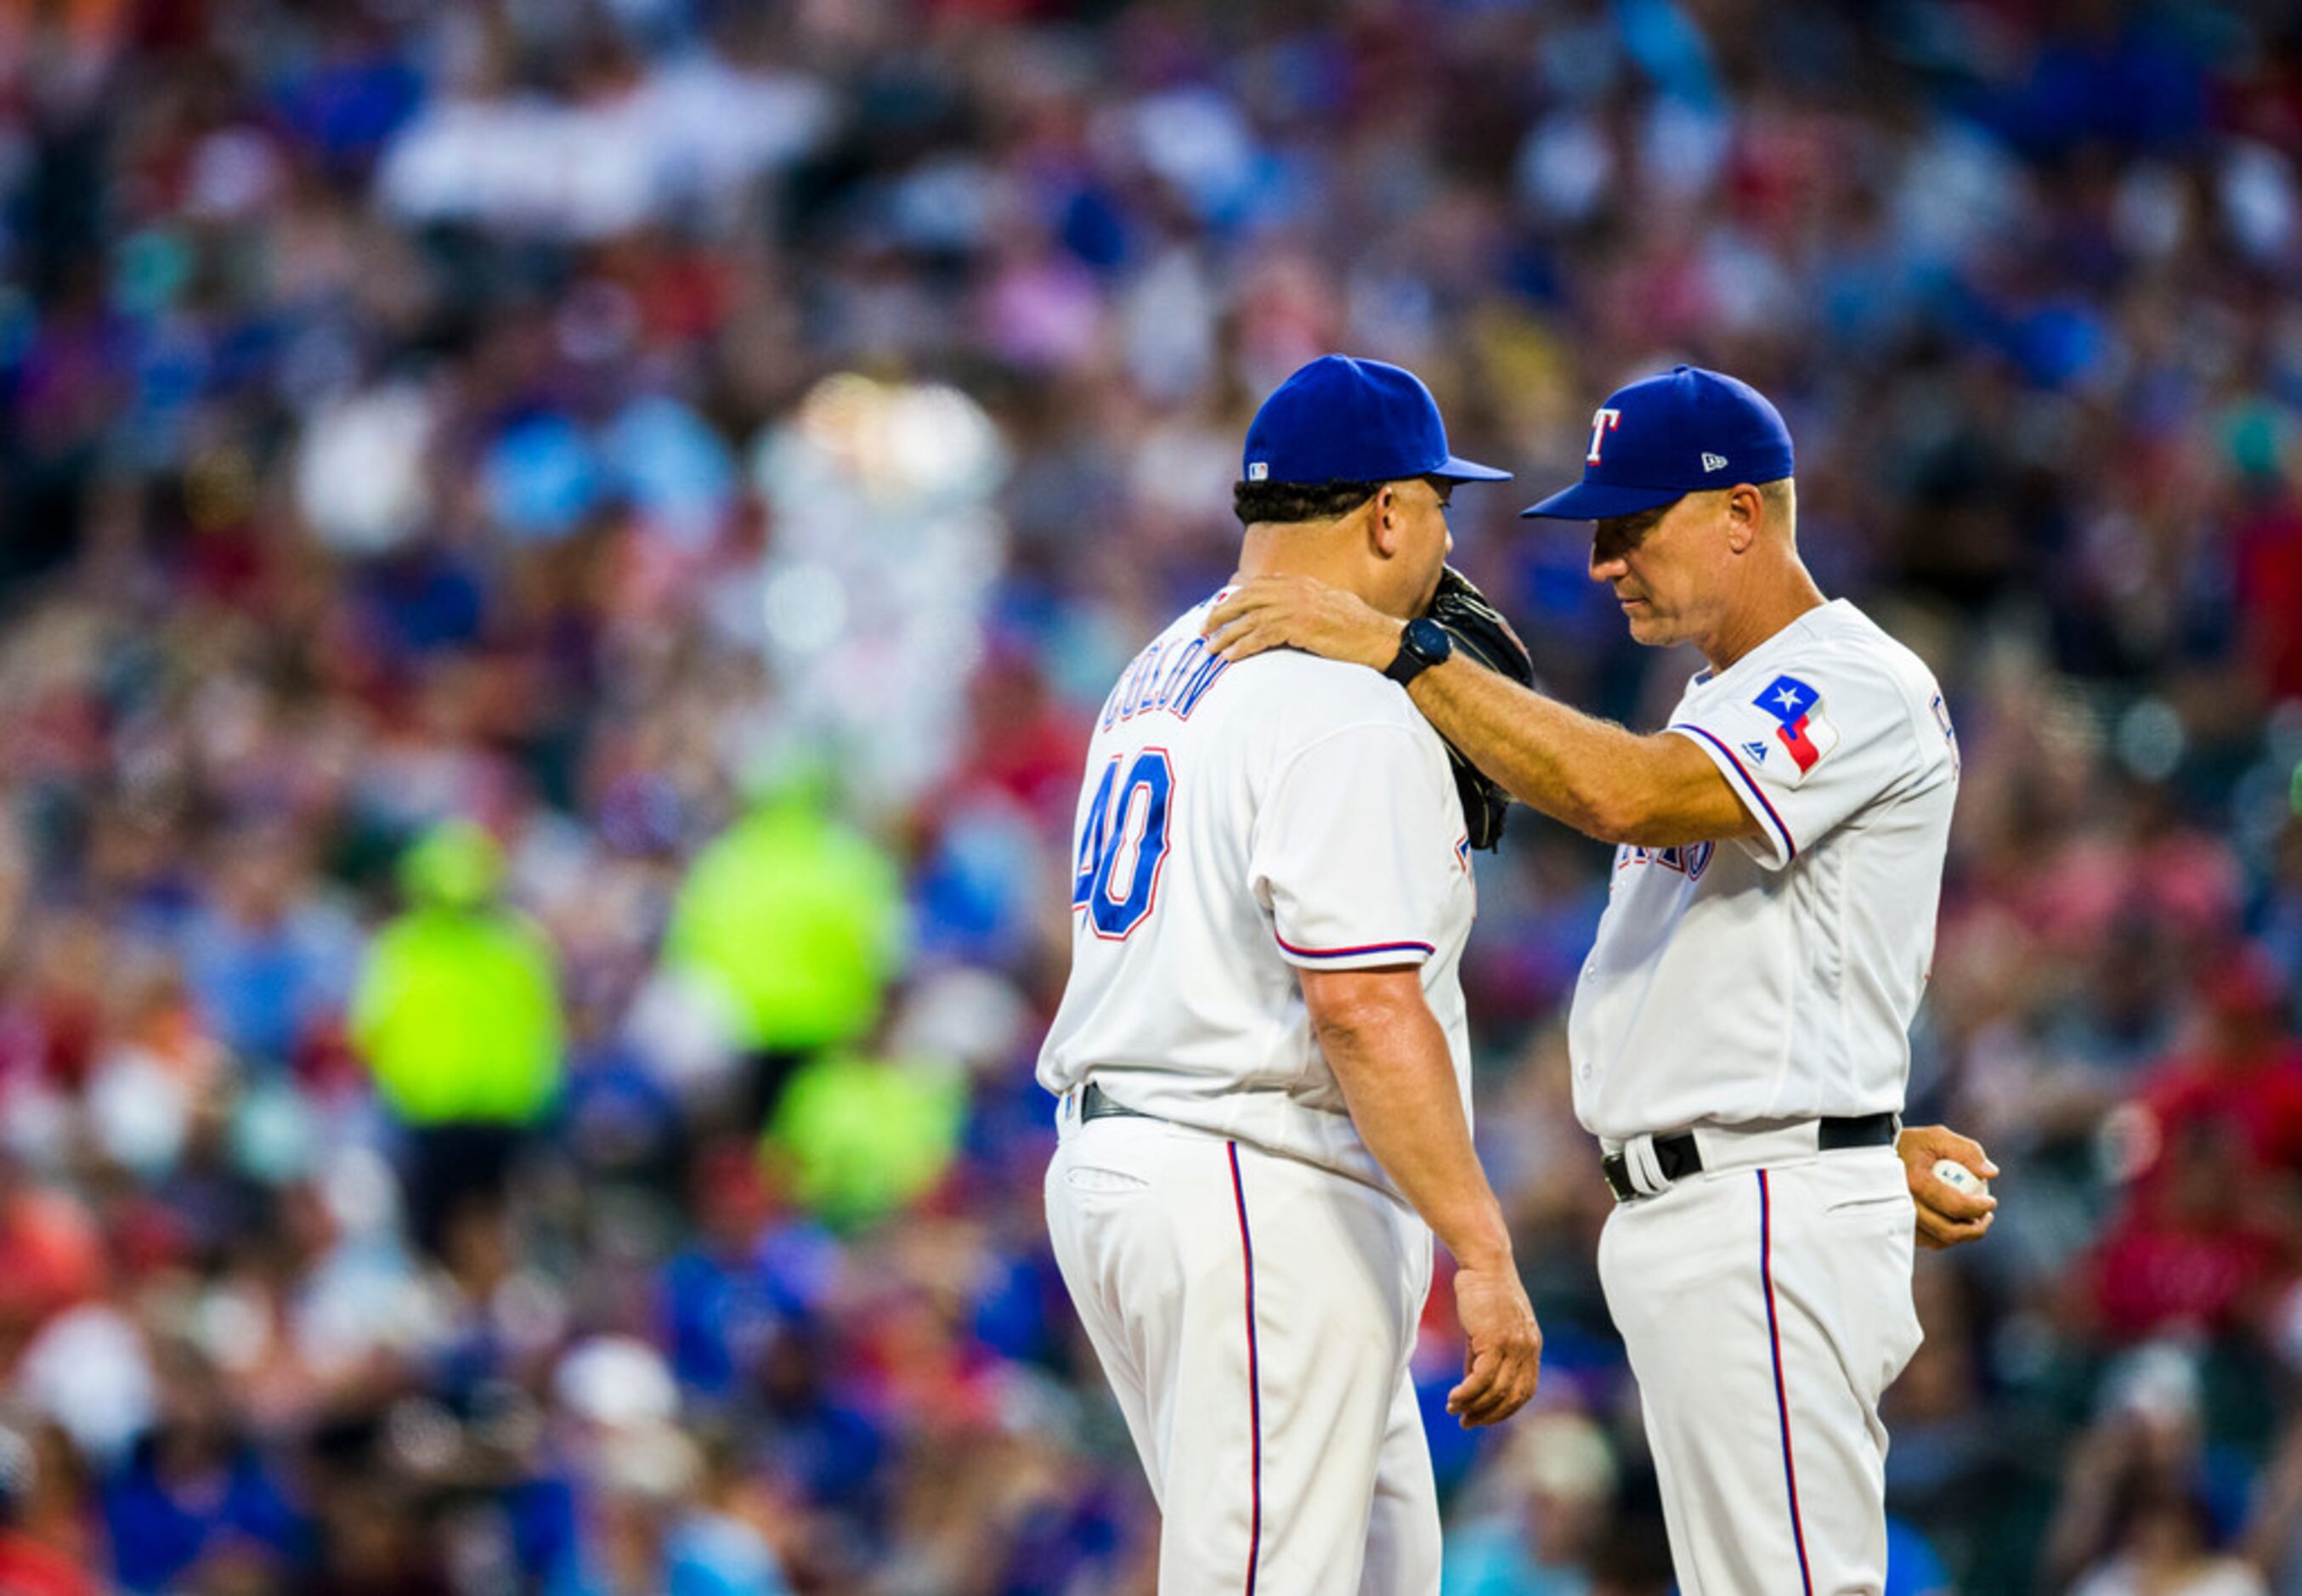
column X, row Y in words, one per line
column 1421, row 646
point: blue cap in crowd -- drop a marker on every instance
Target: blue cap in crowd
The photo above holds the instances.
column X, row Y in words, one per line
column 1357, row 421
column 1668, row 436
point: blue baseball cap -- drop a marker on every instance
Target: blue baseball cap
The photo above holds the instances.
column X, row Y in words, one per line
column 1671, row 435
column 1338, row 419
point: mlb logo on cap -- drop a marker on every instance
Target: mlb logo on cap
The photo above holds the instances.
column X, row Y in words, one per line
column 1671, row 435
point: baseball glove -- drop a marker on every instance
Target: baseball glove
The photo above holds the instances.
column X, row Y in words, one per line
column 1480, row 631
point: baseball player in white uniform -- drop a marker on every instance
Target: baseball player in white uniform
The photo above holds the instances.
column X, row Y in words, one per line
column 1740, row 1033
column 1261, row 1054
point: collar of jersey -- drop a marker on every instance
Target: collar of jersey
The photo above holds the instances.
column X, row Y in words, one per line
column 1705, row 676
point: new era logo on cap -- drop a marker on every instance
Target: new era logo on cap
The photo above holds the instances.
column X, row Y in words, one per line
column 1661, row 439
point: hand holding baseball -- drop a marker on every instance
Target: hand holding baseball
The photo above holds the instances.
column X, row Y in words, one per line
column 1949, row 1177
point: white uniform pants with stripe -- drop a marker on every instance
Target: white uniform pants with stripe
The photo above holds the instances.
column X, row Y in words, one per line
column 1766, row 1310
column 1255, row 1316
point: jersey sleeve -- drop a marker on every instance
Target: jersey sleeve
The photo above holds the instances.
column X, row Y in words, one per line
column 1807, row 750
column 1352, row 851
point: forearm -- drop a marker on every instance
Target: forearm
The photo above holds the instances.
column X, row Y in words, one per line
column 1658, row 792
column 1588, row 773
column 1398, row 1079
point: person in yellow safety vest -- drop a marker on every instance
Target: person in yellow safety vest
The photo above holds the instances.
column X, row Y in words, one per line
column 457, row 1016
column 794, row 921
column 861, row 1134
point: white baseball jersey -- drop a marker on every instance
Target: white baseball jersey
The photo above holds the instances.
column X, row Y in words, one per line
column 1239, row 822
column 1777, row 977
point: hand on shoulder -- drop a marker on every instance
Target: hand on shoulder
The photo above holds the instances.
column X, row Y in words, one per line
column 1301, row 612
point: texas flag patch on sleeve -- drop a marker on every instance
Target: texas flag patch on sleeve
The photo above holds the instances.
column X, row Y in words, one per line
column 1800, row 727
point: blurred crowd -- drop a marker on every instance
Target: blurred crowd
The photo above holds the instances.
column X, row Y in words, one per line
column 554, row 561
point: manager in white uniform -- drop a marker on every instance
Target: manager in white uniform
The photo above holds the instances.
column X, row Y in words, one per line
column 1740, row 1034
column 1262, row 1054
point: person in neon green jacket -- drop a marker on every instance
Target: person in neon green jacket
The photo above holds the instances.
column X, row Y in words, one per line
column 458, row 1017
column 857, row 1137
column 794, row 919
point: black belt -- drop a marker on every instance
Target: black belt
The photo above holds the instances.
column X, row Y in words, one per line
column 1093, row 1105
column 1677, row 1156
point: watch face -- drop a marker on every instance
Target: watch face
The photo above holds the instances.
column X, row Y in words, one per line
column 1422, row 642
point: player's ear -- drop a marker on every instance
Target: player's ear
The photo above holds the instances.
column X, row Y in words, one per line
column 1386, row 526
column 1743, row 511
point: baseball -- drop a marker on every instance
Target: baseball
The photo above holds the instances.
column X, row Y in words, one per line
column 1953, row 1173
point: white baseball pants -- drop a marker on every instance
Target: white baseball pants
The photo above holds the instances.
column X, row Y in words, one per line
column 1766, row 1310
column 1255, row 1316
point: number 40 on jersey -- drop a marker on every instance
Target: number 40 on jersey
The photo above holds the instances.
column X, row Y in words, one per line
column 1124, row 843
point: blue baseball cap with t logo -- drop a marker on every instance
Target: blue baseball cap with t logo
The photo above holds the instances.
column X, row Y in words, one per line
column 1668, row 436
column 1341, row 420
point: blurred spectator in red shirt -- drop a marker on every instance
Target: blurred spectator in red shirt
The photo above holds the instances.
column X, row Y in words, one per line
column 2269, row 547
column 2214, row 1150
column 29, row 1565
column 51, row 1255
